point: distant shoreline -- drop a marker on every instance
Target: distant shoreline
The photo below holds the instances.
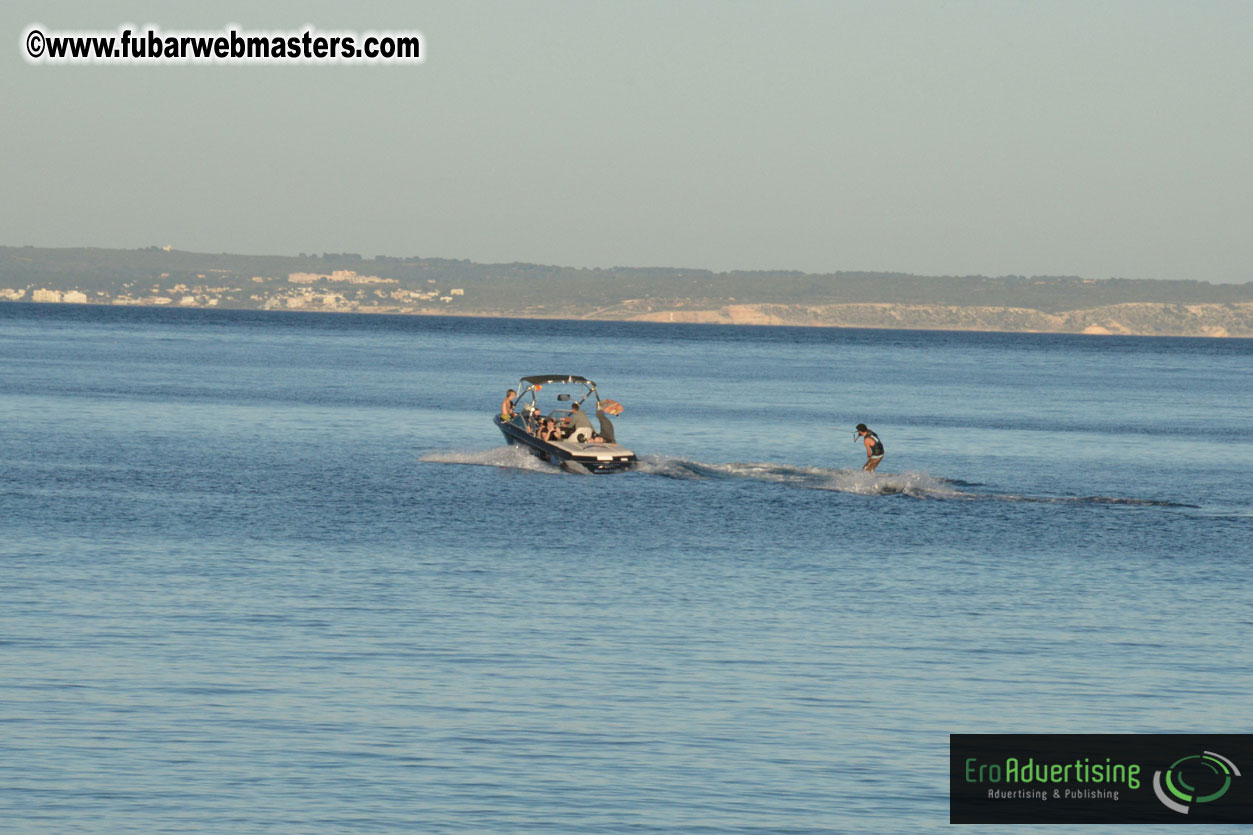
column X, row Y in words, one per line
column 423, row 286
column 655, row 320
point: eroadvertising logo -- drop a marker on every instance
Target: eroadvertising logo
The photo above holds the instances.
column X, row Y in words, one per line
column 1099, row 778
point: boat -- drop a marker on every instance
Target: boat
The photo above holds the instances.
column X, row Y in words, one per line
column 583, row 449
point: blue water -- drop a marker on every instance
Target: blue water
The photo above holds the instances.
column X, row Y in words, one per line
column 265, row 572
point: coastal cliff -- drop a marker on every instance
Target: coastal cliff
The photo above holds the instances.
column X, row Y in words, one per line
column 1138, row 318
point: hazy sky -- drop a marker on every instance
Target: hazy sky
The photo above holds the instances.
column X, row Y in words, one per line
column 1079, row 138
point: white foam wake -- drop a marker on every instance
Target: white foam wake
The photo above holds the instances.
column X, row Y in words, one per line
column 915, row 484
column 513, row 457
column 918, row 485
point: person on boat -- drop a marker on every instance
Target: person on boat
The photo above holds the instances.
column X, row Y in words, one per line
column 548, row 430
column 531, row 419
column 506, row 406
column 606, row 426
column 579, row 423
column 874, row 447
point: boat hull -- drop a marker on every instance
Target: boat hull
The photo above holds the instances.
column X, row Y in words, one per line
column 592, row 458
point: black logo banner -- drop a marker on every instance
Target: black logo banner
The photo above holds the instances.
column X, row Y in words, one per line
column 1101, row 778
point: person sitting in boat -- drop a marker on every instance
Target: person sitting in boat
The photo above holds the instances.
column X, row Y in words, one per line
column 549, row 430
column 580, row 427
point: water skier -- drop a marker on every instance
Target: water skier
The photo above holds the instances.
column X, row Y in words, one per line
column 874, row 447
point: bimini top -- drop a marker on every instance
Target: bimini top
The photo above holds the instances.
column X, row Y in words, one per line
column 543, row 379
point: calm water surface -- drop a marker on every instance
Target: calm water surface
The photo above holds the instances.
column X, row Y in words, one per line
column 276, row 573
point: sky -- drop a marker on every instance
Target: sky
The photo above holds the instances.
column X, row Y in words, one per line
column 1096, row 138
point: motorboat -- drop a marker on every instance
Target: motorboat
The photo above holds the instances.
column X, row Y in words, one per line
column 566, row 398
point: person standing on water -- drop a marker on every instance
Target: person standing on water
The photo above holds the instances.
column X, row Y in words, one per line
column 874, row 447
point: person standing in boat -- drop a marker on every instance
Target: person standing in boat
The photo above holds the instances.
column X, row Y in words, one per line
column 506, row 406
column 606, row 426
column 874, row 447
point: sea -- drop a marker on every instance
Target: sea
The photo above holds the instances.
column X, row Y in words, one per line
column 278, row 572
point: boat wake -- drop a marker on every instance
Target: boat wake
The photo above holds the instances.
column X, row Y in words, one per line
column 512, row 457
column 912, row 484
column 917, row 485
